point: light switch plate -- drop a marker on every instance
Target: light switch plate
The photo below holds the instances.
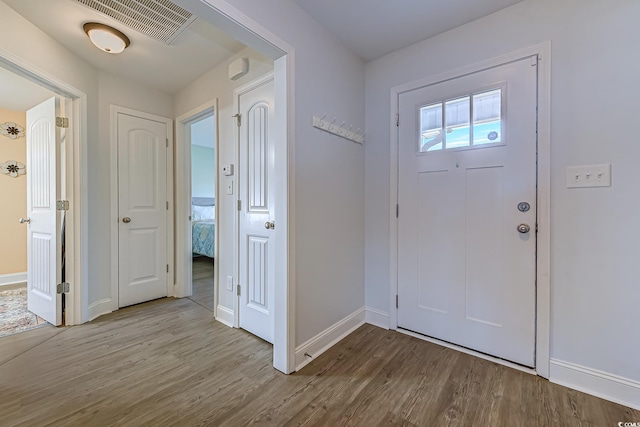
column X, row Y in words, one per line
column 229, row 283
column 589, row 176
column 230, row 187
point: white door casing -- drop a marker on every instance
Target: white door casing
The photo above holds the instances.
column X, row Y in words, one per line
column 142, row 208
column 465, row 273
column 43, row 187
column 257, row 243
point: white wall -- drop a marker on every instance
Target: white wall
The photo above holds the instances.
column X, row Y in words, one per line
column 329, row 171
column 595, row 70
column 216, row 84
column 203, row 171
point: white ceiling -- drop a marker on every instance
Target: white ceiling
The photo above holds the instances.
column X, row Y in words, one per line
column 165, row 67
column 18, row 93
column 373, row 28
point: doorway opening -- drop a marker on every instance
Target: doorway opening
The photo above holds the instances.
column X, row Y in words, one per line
column 201, row 134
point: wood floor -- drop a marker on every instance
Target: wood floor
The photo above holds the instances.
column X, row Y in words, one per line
column 202, row 277
column 168, row 363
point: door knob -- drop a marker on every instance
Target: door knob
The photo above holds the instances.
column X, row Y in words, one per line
column 269, row 225
column 22, row 220
column 524, row 228
column 126, row 220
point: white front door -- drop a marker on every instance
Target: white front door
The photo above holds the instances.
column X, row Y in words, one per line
column 142, row 208
column 43, row 187
column 257, row 229
column 467, row 211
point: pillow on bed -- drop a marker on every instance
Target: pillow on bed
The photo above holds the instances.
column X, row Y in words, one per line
column 201, row 213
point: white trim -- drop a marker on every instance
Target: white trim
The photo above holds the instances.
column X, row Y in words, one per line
column 229, row 19
column 224, row 316
column 99, row 308
column 377, row 317
column 469, row 351
column 543, row 254
column 9, row 280
column 601, row 384
column 76, row 190
column 326, row 339
column 184, row 260
column 112, row 303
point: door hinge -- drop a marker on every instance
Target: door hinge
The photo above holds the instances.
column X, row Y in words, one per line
column 167, row 139
column 238, row 290
column 396, row 301
column 167, row 268
column 238, row 119
column 63, row 288
column 536, row 227
column 239, row 205
column 397, row 119
column 397, row 210
column 62, row 205
column 62, row 122
column 167, row 205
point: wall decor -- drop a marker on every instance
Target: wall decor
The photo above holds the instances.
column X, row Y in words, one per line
column 12, row 168
column 12, row 130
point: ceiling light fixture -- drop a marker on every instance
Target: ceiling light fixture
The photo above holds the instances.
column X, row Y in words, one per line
column 106, row 38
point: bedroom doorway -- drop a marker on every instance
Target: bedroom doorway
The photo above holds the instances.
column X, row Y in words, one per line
column 202, row 135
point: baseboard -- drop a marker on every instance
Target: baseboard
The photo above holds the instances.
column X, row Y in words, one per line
column 225, row 316
column 10, row 280
column 377, row 318
column 99, row 308
column 597, row 383
column 326, row 339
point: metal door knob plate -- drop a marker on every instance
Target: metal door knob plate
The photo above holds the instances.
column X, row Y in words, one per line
column 524, row 228
column 269, row 225
column 22, row 220
column 126, row 220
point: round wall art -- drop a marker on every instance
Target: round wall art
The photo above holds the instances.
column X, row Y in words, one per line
column 11, row 130
column 12, row 168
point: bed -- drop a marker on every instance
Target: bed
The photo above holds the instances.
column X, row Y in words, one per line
column 203, row 226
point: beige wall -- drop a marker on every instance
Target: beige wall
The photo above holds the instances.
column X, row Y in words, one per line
column 13, row 250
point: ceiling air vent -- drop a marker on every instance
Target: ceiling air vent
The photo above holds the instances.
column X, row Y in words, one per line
column 160, row 19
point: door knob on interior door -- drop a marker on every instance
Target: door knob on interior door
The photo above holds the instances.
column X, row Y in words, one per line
column 22, row 220
column 524, row 228
column 269, row 225
column 126, row 220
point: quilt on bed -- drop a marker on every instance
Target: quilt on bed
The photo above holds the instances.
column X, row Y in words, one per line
column 203, row 238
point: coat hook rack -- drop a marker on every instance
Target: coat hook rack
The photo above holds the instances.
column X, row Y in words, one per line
column 341, row 131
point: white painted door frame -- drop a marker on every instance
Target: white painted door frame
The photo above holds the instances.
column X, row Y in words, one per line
column 114, row 218
column 75, row 178
column 238, row 25
column 543, row 250
column 184, row 279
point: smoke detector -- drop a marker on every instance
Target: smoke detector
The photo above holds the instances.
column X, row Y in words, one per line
column 159, row 19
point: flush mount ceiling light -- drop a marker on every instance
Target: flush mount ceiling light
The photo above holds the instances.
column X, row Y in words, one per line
column 106, row 38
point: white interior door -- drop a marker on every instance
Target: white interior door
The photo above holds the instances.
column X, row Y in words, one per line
column 467, row 181
column 43, row 187
column 257, row 228
column 142, row 207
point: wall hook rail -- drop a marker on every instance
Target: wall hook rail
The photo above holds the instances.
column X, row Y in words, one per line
column 341, row 131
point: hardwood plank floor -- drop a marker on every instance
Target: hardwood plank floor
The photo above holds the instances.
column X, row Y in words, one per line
column 202, row 277
column 169, row 363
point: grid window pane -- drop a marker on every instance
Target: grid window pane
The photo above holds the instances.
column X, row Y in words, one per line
column 430, row 128
column 487, row 117
column 457, row 122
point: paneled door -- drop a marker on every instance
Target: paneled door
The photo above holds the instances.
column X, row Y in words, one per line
column 142, row 207
column 258, row 230
column 43, row 220
column 467, row 217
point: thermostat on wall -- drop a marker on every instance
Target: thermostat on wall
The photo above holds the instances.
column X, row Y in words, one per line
column 238, row 68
